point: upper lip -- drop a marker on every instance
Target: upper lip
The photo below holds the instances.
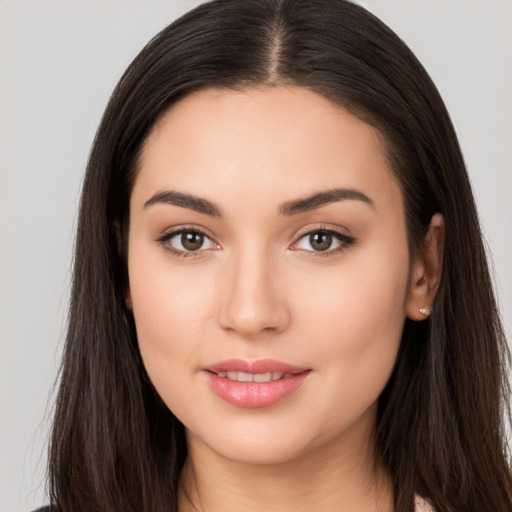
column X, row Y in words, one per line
column 254, row 367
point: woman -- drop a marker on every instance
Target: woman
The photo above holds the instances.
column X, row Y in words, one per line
column 269, row 308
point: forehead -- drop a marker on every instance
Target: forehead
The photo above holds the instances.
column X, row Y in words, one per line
column 269, row 143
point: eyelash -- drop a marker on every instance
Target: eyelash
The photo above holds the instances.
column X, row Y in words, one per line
column 177, row 252
column 344, row 240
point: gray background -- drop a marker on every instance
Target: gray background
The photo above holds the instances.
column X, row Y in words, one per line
column 59, row 61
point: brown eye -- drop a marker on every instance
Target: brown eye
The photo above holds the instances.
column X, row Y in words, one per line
column 186, row 242
column 192, row 240
column 327, row 241
column 320, row 240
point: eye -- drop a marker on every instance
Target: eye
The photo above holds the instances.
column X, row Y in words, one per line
column 323, row 241
column 185, row 242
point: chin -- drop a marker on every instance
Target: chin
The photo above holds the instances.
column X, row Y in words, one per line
column 258, row 453
column 268, row 441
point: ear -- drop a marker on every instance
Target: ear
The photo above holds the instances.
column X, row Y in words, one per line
column 128, row 300
column 426, row 271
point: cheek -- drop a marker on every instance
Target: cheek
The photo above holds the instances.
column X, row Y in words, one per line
column 355, row 317
column 168, row 302
column 359, row 294
column 172, row 308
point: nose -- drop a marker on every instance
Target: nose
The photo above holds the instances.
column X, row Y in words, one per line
column 253, row 304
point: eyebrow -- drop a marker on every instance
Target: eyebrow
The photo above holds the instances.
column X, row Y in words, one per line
column 191, row 202
column 288, row 208
column 323, row 198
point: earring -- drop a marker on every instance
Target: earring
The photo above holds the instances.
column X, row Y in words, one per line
column 425, row 311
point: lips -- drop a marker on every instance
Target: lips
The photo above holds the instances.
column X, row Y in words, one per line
column 253, row 384
column 253, row 377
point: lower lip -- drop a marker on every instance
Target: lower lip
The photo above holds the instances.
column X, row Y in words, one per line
column 254, row 394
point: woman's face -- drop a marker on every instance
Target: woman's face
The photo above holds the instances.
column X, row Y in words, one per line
column 268, row 270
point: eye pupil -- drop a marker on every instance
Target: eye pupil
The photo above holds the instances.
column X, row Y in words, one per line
column 320, row 241
column 192, row 241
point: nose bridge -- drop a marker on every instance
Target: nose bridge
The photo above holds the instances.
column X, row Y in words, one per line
column 253, row 301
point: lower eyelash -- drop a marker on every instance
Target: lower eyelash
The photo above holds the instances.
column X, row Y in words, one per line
column 346, row 242
column 175, row 252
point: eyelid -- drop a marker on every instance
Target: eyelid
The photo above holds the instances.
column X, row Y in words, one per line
column 170, row 233
column 344, row 239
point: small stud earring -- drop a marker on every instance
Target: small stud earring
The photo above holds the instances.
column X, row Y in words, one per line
column 425, row 311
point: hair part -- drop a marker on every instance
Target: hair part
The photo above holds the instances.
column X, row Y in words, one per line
column 115, row 445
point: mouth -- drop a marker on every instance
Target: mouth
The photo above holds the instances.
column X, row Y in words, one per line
column 254, row 377
column 276, row 368
column 254, row 384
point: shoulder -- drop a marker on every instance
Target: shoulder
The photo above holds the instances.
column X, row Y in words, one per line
column 422, row 505
column 43, row 509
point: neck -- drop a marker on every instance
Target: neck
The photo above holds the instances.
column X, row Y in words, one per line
column 342, row 475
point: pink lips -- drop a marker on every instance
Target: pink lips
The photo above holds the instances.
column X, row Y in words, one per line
column 262, row 393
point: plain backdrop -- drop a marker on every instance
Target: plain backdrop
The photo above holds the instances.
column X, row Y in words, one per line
column 59, row 61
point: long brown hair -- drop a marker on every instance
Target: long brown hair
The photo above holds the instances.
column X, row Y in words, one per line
column 441, row 421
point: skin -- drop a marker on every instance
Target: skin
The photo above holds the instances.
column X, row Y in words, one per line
column 257, row 289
